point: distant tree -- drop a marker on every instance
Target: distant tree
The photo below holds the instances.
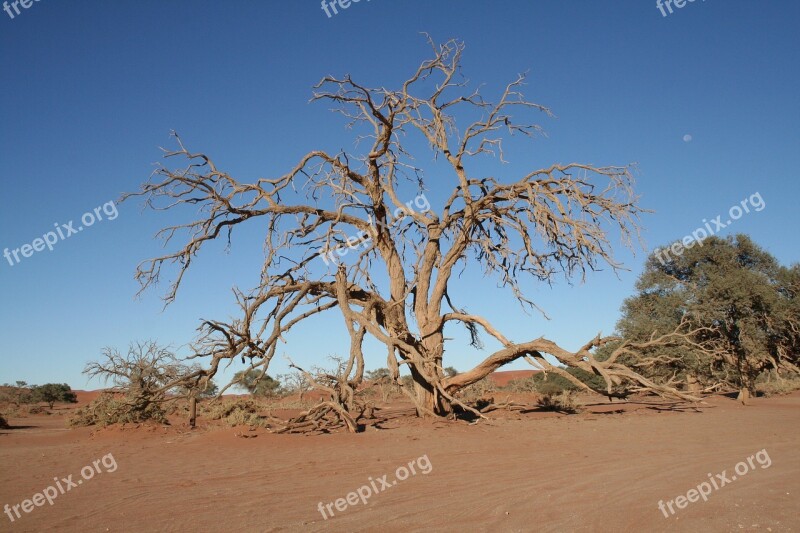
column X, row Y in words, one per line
column 746, row 302
column 193, row 380
column 51, row 393
column 382, row 377
column 450, row 372
column 294, row 383
column 256, row 383
column 211, row 390
column 379, row 373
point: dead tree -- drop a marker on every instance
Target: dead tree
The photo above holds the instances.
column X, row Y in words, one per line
column 342, row 236
column 142, row 378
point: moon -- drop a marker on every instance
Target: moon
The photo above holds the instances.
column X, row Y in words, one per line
column 687, row 138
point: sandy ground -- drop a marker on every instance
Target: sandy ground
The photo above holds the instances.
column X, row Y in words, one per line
column 602, row 470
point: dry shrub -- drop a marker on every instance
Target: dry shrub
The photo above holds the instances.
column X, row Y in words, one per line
column 238, row 412
column 38, row 410
column 13, row 411
column 521, row 385
column 778, row 387
column 3, row 423
column 477, row 391
column 563, row 402
column 109, row 409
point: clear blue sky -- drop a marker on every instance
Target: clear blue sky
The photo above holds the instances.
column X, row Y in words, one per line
column 92, row 89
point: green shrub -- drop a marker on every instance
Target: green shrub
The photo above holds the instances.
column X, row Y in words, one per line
column 552, row 383
column 253, row 382
column 50, row 393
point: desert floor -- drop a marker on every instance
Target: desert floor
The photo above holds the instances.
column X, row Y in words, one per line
column 605, row 469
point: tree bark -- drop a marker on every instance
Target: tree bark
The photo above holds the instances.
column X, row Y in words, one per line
column 192, row 411
column 744, row 395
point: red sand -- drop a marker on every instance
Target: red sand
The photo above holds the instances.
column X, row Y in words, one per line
column 501, row 379
column 603, row 470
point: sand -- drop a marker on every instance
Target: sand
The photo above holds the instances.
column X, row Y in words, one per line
column 605, row 469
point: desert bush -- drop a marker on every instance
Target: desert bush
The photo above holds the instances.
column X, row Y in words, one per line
column 238, row 412
column 37, row 410
column 16, row 394
column 142, row 379
column 293, row 383
column 253, row 382
column 382, row 379
column 195, row 384
column 521, row 385
column 3, row 423
column 565, row 401
column 14, row 411
column 477, row 390
column 771, row 384
column 109, row 408
column 551, row 383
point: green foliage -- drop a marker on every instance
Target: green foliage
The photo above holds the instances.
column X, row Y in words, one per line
column 210, row 391
column 730, row 285
column 253, row 382
column 51, row 393
column 552, row 383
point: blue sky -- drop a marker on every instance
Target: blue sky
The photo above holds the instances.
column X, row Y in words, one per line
column 92, row 89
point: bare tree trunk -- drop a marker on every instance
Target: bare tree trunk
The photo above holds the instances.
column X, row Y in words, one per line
column 692, row 385
column 192, row 411
column 744, row 395
column 427, row 395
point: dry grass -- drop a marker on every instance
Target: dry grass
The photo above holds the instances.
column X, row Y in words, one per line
column 109, row 409
column 563, row 402
column 778, row 386
column 238, row 412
